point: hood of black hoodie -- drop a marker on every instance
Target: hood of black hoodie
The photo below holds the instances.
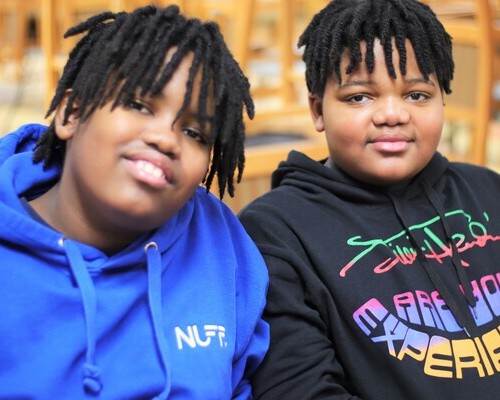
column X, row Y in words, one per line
column 304, row 173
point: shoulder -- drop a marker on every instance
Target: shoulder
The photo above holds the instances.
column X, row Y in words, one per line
column 472, row 184
column 473, row 174
column 470, row 168
column 215, row 233
column 276, row 221
column 274, row 206
column 214, row 218
column 209, row 208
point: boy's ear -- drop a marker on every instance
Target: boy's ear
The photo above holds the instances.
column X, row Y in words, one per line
column 316, row 110
column 66, row 131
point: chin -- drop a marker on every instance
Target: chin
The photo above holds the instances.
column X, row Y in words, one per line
column 385, row 180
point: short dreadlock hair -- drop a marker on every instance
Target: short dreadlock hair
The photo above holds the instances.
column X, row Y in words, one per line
column 123, row 53
column 339, row 28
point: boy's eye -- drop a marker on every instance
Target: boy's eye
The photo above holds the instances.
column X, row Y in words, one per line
column 357, row 99
column 196, row 135
column 417, row 96
column 138, row 106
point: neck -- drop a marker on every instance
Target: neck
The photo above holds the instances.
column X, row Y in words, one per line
column 65, row 218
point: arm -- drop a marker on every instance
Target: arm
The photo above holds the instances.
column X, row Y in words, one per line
column 246, row 364
column 251, row 281
column 301, row 362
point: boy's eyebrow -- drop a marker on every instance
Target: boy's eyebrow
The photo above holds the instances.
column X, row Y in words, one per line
column 357, row 82
column 187, row 111
column 420, row 80
column 194, row 114
column 361, row 82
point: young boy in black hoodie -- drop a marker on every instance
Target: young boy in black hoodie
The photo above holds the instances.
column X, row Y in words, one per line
column 384, row 259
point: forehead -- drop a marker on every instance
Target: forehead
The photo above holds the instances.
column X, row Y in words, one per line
column 200, row 94
column 378, row 55
column 182, row 65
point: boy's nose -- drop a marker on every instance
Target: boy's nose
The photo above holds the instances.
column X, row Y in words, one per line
column 391, row 111
column 164, row 138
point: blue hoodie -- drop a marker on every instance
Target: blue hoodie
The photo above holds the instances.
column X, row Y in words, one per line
column 176, row 314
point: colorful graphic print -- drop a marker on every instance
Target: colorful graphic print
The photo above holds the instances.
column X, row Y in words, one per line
column 440, row 356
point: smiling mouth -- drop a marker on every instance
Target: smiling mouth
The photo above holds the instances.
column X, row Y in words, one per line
column 149, row 173
column 150, row 169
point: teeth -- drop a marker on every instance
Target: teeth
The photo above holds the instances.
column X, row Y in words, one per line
column 150, row 169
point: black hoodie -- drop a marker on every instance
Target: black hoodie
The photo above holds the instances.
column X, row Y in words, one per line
column 380, row 293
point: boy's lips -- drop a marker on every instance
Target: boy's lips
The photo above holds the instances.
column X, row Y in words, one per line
column 154, row 171
column 391, row 143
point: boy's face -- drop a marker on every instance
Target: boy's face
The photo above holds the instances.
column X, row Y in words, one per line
column 130, row 169
column 380, row 130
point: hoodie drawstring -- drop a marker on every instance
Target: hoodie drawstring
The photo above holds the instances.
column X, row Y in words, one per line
column 460, row 271
column 91, row 372
column 463, row 319
column 155, row 305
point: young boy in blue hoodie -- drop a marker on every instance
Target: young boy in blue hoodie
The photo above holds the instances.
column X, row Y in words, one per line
column 121, row 277
column 384, row 259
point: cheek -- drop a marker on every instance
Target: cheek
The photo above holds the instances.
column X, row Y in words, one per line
column 197, row 163
column 432, row 127
column 202, row 171
column 430, row 118
column 347, row 130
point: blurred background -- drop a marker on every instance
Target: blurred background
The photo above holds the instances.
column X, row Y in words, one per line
column 262, row 35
